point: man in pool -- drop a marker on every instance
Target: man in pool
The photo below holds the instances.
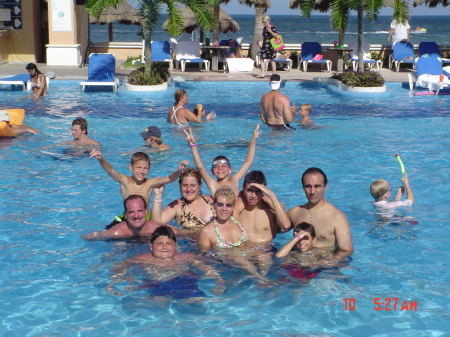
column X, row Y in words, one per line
column 135, row 225
column 330, row 224
column 275, row 108
column 170, row 271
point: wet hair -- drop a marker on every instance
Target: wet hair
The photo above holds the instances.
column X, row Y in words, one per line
column 306, row 107
column 178, row 94
column 255, row 177
column 190, row 172
column 306, row 227
column 314, row 170
column 163, row 231
column 133, row 197
column 226, row 192
column 82, row 122
column 222, row 157
column 266, row 18
column 33, row 66
column 379, row 188
column 139, row 156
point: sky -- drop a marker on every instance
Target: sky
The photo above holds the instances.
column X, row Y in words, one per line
column 281, row 7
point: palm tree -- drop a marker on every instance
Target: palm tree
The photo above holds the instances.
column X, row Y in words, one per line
column 151, row 10
column 261, row 7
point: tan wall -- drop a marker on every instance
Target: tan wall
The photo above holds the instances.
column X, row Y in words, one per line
column 121, row 50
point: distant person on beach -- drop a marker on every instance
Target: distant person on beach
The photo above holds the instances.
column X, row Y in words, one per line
column 38, row 81
column 168, row 273
column 304, row 112
column 330, row 224
column 15, row 129
column 180, row 115
column 234, row 50
column 275, row 108
column 221, row 167
column 137, row 183
column 134, row 225
column 153, row 141
column 267, row 51
column 399, row 32
column 381, row 192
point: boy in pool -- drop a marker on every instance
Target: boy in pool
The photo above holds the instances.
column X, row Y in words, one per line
column 381, row 192
column 137, row 183
column 170, row 271
column 304, row 112
column 153, row 141
column 221, row 167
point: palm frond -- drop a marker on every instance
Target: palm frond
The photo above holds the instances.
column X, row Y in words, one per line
column 339, row 15
column 401, row 11
column 372, row 8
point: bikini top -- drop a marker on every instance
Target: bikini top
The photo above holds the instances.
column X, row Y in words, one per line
column 36, row 84
column 174, row 116
column 221, row 243
column 189, row 220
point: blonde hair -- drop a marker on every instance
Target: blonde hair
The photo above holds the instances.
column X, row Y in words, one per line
column 266, row 18
column 379, row 188
column 226, row 192
column 306, row 107
column 158, row 141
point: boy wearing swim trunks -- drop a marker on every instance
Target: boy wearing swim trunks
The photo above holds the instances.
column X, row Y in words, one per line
column 221, row 167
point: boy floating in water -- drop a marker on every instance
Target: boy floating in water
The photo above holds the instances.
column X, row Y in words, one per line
column 221, row 167
column 153, row 141
column 304, row 112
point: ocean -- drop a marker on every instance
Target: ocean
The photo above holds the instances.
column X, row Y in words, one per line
column 296, row 29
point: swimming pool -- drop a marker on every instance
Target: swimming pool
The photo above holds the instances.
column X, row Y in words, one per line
column 53, row 282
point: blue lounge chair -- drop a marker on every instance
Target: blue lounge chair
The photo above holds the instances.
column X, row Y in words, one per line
column 402, row 52
column 428, row 75
column 310, row 51
column 101, row 72
column 189, row 52
column 431, row 49
column 18, row 80
column 353, row 57
column 161, row 52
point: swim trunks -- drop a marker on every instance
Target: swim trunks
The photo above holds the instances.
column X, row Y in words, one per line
column 121, row 218
column 281, row 127
column 298, row 272
column 180, row 287
column 189, row 220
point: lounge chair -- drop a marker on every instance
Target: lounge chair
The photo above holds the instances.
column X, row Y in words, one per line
column 161, row 52
column 285, row 63
column 188, row 52
column 402, row 52
column 429, row 71
column 18, row 80
column 353, row 57
column 101, row 72
column 235, row 64
column 431, row 49
column 311, row 53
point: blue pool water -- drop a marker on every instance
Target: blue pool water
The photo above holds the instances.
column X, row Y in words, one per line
column 53, row 283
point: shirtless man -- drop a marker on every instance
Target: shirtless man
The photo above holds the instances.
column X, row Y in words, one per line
column 330, row 224
column 259, row 219
column 135, row 225
column 275, row 109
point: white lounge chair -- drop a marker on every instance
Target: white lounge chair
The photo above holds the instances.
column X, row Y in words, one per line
column 428, row 75
column 188, row 52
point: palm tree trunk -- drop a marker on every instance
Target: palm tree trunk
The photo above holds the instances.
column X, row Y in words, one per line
column 360, row 38
column 216, row 30
column 260, row 11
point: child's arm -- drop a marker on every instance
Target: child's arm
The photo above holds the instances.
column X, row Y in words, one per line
column 409, row 193
column 209, row 181
column 119, row 177
column 288, row 246
column 249, row 158
column 399, row 194
column 170, row 178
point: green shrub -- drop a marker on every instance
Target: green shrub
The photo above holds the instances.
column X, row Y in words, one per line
column 365, row 79
column 129, row 62
column 158, row 74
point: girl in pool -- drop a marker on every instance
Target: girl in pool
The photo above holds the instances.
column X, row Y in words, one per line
column 38, row 81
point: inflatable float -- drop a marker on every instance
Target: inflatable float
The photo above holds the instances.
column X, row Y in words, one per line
column 17, row 117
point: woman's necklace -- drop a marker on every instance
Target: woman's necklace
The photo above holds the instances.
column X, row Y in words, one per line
column 311, row 213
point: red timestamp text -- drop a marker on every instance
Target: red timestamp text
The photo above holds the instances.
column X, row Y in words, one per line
column 385, row 304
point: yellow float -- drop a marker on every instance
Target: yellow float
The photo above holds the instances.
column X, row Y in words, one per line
column 17, row 117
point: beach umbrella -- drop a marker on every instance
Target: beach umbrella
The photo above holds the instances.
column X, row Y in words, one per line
column 190, row 23
column 123, row 12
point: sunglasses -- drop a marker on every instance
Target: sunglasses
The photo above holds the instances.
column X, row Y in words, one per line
column 221, row 204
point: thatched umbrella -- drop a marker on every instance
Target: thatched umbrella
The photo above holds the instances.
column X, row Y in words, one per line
column 123, row 12
column 226, row 22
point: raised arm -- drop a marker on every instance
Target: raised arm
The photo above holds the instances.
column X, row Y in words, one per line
column 153, row 182
column 409, row 193
column 162, row 216
column 286, row 249
column 119, row 177
column 249, row 158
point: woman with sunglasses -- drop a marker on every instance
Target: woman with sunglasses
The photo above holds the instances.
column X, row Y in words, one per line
column 267, row 51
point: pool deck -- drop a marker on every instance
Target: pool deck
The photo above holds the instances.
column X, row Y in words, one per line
column 76, row 73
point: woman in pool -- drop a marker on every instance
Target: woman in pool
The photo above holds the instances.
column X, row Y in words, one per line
column 192, row 210
column 38, row 81
column 180, row 115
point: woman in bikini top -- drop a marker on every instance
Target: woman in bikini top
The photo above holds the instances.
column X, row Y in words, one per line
column 38, row 81
column 192, row 210
column 224, row 231
column 180, row 115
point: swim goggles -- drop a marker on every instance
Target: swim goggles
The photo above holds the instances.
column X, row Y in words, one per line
column 220, row 161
